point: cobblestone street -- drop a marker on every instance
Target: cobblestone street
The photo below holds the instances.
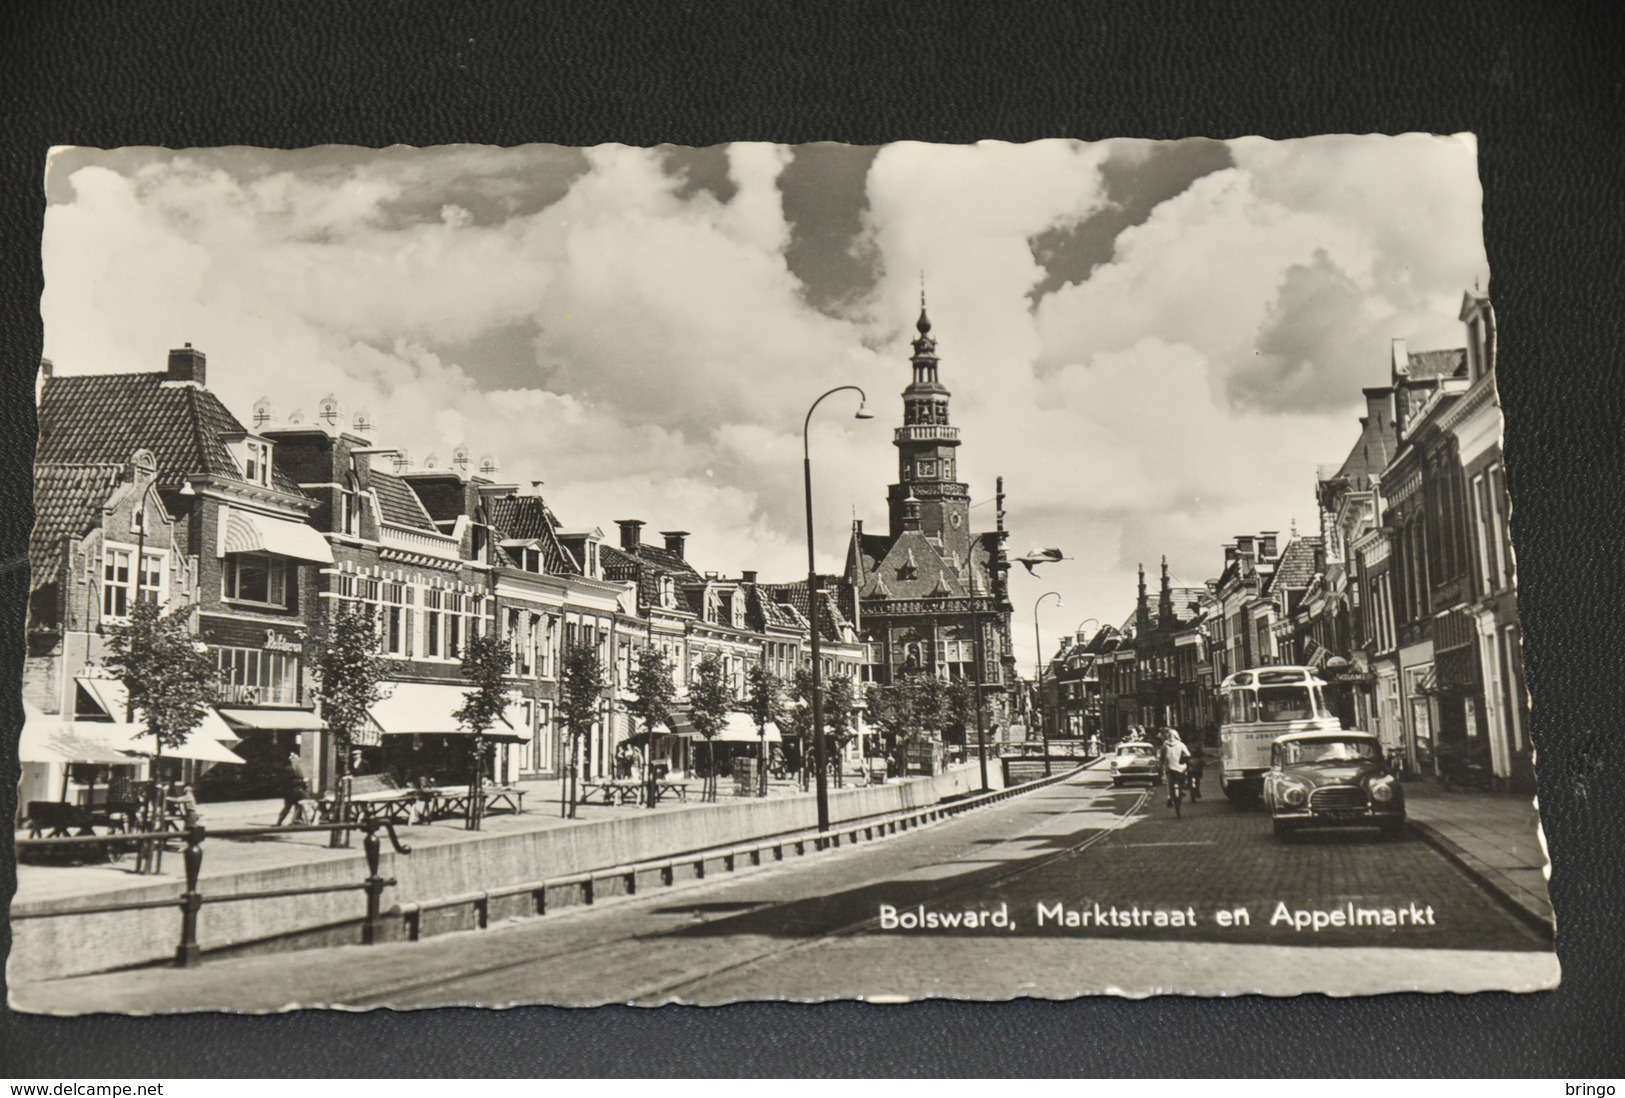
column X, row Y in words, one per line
column 820, row 928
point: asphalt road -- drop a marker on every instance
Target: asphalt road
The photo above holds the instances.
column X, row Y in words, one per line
column 1073, row 889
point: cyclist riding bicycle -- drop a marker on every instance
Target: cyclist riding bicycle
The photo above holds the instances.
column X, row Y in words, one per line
column 1175, row 760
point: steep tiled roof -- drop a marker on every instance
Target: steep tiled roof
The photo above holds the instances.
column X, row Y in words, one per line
column 527, row 518
column 398, row 504
column 107, row 417
column 67, row 503
column 1447, row 363
column 831, row 618
column 1297, row 564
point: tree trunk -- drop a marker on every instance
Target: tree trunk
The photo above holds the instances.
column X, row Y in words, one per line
column 341, row 792
column 476, row 800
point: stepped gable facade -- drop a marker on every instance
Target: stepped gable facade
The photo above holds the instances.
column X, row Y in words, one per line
column 920, row 593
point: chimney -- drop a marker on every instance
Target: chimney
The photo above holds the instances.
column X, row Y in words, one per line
column 1401, row 360
column 187, row 364
column 1266, row 544
column 748, row 576
column 631, row 533
column 1229, row 551
column 675, row 541
column 1244, row 545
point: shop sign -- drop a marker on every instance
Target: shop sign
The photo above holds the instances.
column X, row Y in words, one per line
column 278, row 642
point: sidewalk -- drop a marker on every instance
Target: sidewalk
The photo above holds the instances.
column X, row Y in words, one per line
column 1493, row 836
column 223, row 857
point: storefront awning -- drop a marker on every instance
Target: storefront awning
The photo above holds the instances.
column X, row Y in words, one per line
column 113, row 700
column 198, row 748
column 273, row 720
column 48, row 738
column 427, row 708
column 247, row 532
column 738, row 728
column 741, row 728
column 51, row 739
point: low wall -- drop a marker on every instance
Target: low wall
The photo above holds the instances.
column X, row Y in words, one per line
column 69, row 945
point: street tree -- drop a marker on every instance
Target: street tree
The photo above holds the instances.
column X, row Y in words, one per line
column 959, row 710
column 765, row 699
column 486, row 662
column 906, row 711
column 797, row 719
column 840, row 701
column 350, row 678
column 654, row 694
column 168, row 675
column 709, row 700
column 581, row 687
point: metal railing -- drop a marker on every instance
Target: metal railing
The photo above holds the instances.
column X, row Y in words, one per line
column 188, row 953
column 777, row 847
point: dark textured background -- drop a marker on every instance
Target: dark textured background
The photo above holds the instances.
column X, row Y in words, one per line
column 1540, row 82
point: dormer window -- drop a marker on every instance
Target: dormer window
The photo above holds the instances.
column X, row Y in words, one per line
column 256, row 459
column 668, row 592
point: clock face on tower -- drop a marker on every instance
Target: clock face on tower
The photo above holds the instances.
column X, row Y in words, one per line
column 954, row 520
column 928, row 468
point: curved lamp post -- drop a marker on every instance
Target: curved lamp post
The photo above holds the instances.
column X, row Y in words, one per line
column 1038, row 652
column 812, row 604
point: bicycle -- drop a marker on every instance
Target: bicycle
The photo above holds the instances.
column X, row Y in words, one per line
column 1177, row 780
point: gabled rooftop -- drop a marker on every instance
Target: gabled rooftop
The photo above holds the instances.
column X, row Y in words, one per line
column 104, row 418
column 68, row 503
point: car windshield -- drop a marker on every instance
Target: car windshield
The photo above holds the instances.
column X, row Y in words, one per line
column 1141, row 750
column 1328, row 751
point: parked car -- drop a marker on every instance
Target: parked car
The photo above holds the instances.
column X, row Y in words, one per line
column 1332, row 779
column 1135, row 762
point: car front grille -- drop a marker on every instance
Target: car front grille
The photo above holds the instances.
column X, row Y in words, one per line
column 1338, row 798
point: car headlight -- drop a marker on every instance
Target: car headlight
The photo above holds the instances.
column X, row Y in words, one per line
column 1382, row 789
column 1295, row 795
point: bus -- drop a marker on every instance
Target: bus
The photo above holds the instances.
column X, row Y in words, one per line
column 1255, row 707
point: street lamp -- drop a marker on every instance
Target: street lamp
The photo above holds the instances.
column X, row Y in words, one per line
column 1038, row 652
column 1084, row 622
column 812, row 604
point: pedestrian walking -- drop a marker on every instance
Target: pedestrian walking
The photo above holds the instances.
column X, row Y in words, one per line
column 295, row 791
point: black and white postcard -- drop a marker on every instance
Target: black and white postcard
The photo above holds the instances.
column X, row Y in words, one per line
column 475, row 575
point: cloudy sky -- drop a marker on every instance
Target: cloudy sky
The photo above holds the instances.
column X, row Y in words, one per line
column 1154, row 343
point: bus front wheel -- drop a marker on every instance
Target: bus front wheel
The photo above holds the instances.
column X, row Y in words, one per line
column 1239, row 794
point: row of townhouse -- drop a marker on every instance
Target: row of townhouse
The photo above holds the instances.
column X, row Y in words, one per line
column 1413, row 610
column 1403, row 601
column 147, row 486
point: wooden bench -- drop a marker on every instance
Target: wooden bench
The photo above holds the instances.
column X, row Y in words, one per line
column 373, row 797
column 442, row 801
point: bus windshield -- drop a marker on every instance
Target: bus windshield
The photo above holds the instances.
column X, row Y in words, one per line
column 1274, row 704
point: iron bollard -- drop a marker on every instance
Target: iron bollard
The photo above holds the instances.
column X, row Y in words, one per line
column 375, row 887
column 187, row 954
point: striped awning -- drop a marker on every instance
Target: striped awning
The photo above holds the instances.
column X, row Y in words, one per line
column 248, row 532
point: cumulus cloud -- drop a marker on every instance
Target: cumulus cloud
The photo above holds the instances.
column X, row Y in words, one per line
column 1154, row 345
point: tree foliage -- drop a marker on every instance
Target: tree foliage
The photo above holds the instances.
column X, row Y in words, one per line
column 653, row 688
column 581, row 687
column 487, row 660
column 906, row 712
column 765, row 695
column 710, row 697
column 168, row 675
column 350, row 673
